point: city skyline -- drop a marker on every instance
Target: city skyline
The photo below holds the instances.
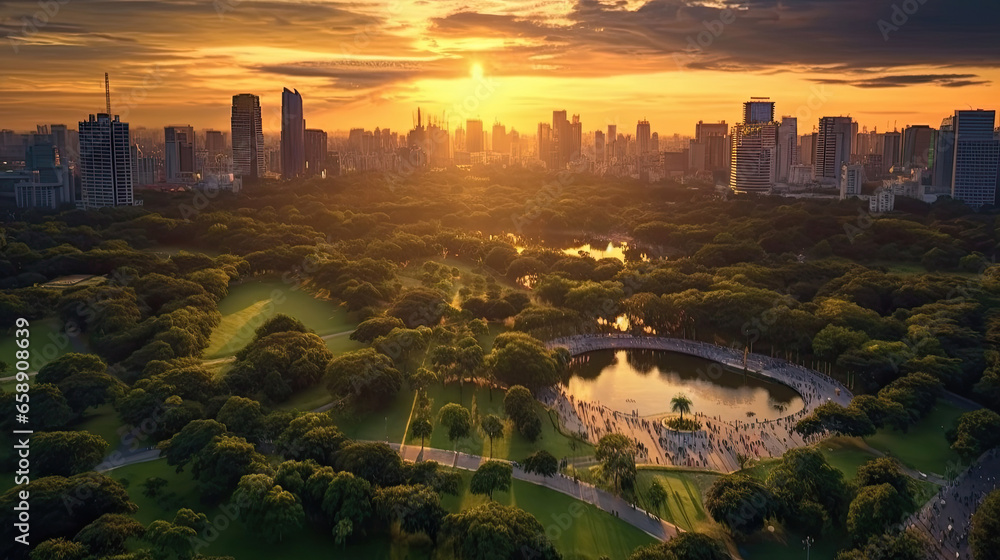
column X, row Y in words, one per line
column 352, row 60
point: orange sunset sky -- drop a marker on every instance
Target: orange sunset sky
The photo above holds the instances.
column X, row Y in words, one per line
column 368, row 64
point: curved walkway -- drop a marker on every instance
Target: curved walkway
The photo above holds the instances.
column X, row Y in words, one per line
column 646, row 522
column 720, row 444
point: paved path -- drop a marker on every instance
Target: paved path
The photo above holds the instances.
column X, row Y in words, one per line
column 947, row 517
column 718, row 445
column 650, row 524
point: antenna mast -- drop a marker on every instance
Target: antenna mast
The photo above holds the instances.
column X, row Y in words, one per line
column 107, row 92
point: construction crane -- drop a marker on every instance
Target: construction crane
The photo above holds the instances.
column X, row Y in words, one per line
column 107, row 93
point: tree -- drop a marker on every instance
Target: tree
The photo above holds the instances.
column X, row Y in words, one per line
column 63, row 506
column 187, row 443
column 86, row 389
column 457, row 419
column 492, row 426
column 519, row 405
column 243, row 417
column 375, row 462
column 975, row 433
column 617, row 456
column 657, row 495
column 70, row 364
column 366, row 377
column 681, row 403
column 278, row 324
column 370, row 329
column 832, row 417
column 419, row 307
column 740, row 503
column 282, row 514
column 520, row 359
column 59, row 549
column 541, row 462
column 490, row 477
column 984, row 537
column 810, row 494
column 422, row 428
column 834, row 340
column 169, row 539
column 685, row 546
column 417, row 508
column 221, row 464
column 108, row 533
column 884, row 470
column 873, row 511
column 152, row 486
column 495, row 532
column 347, row 497
column 911, row 544
column 49, row 409
column 66, row 453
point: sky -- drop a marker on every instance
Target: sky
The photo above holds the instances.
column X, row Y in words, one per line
column 364, row 63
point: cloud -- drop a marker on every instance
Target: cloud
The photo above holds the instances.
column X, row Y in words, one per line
column 944, row 80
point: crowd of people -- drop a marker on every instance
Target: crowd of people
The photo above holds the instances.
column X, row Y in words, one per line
column 720, row 444
column 946, row 519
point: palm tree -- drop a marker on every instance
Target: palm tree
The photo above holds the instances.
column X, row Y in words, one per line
column 681, row 403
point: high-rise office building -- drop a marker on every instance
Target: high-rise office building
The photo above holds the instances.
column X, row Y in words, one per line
column 247, row 137
column 852, row 178
column 501, row 143
column 754, row 157
column 215, row 143
column 833, row 147
column 544, row 141
column 642, row 137
column 293, row 135
column 599, row 146
column 944, row 154
column 145, row 168
column 474, row 136
column 712, row 140
column 788, row 147
column 654, row 143
column 977, row 158
column 575, row 139
column 315, row 151
column 892, row 143
column 179, row 153
column 460, row 140
column 919, row 142
column 758, row 110
column 50, row 184
column 105, row 162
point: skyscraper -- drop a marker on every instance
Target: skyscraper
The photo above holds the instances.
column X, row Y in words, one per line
column 215, row 142
column 891, row 149
column 501, row 143
column 178, row 153
column 977, row 158
column 758, row 110
column 833, row 147
column 315, row 151
column 919, row 143
column 642, row 137
column 713, row 140
column 754, row 149
column 788, row 147
column 474, row 136
column 599, row 146
column 754, row 157
column 944, row 153
column 247, row 136
column 544, row 140
column 105, row 162
column 575, row 139
column 293, row 135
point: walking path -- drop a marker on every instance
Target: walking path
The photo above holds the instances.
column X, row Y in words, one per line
column 649, row 523
column 719, row 445
column 947, row 517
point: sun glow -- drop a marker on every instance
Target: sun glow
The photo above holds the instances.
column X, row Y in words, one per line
column 477, row 71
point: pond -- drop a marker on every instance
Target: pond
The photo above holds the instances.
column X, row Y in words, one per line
column 644, row 381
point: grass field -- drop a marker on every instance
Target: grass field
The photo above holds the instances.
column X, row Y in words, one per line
column 580, row 531
column 924, row 446
column 684, row 508
column 846, row 454
column 47, row 340
column 253, row 302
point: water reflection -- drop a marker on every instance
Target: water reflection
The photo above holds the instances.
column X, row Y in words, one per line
column 644, row 381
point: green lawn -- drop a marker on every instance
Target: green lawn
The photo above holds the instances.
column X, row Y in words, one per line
column 924, row 446
column 580, row 531
column 684, row 508
column 846, row 454
column 253, row 302
column 46, row 343
column 785, row 545
column 513, row 445
column 102, row 421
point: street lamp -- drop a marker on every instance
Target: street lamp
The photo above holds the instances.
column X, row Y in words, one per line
column 808, row 541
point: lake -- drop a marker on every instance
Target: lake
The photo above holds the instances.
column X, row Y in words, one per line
column 646, row 380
